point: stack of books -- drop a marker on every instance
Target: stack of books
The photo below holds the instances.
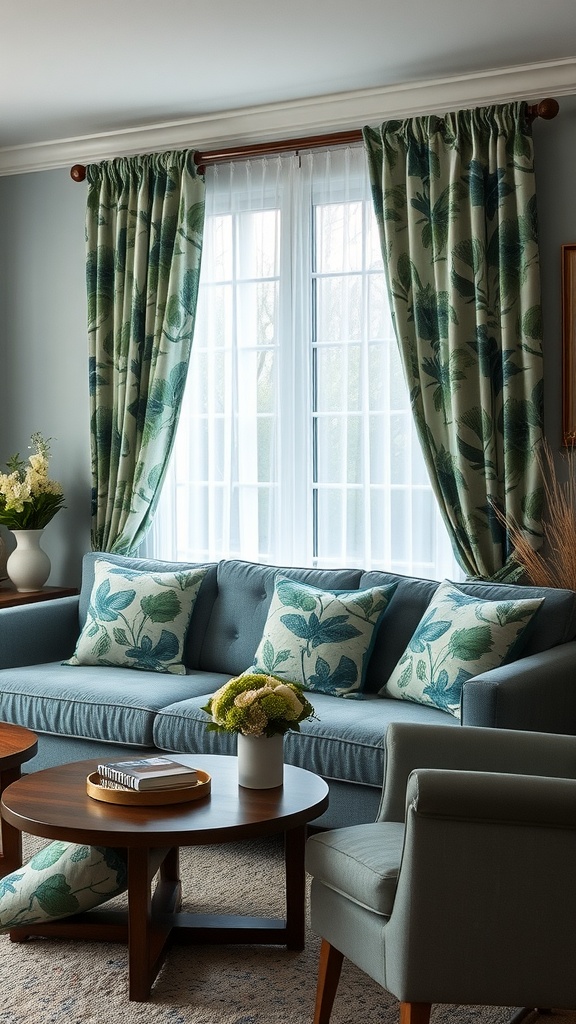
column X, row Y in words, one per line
column 148, row 773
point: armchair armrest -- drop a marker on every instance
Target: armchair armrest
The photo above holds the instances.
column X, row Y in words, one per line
column 411, row 746
column 488, row 797
column 537, row 692
column 35, row 633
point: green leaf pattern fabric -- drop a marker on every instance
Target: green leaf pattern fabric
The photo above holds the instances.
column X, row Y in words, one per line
column 321, row 639
column 457, row 638
column 60, row 880
column 144, row 224
column 456, row 208
column 137, row 619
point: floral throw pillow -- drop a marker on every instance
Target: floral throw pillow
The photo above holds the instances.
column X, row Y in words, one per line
column 458, row 637
column 138, row 619
column 321, row 639
column 61, row 880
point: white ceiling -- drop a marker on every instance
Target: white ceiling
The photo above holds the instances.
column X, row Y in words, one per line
column 70, row 69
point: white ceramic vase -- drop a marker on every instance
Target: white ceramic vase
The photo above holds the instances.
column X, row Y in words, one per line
column 28, row 566
column 260, row 761
column 3, row 560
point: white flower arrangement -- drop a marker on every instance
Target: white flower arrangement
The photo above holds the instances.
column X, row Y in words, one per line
column 28, row 497
column 258, row 705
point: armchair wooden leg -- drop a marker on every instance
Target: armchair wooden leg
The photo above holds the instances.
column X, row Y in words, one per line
column 328, row 977
column 415, row 1013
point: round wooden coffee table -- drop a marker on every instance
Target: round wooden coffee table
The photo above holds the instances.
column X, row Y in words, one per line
column 54, row 804
column 17, row 745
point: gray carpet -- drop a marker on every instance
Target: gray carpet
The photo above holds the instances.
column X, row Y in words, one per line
column 44, row 981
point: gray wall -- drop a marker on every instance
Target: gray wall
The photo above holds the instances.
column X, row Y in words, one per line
column 43, row 345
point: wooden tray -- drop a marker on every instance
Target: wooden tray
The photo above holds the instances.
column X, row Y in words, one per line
column 149, row 798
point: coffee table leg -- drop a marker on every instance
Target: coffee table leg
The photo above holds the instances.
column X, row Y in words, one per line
column 294, row 844
column 149, row 918
column 10, row 837
column 139, row 913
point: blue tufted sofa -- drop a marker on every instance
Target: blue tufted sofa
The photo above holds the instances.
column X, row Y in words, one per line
column 109, row 712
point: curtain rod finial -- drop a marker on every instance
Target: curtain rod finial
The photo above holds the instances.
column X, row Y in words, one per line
column 547, row 109
column 78, row 172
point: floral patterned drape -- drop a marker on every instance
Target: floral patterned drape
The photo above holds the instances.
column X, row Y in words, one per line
column 144, row 224
column 456, row 207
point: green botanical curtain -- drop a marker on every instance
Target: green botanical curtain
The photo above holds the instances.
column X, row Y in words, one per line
column 456, row 207
column 144, row 224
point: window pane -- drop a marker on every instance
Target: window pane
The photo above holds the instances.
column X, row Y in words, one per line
column 339, row 449
column 338, row 378
column 339, row 237
column 340, row 525
column 339, row 309
column 257, row 244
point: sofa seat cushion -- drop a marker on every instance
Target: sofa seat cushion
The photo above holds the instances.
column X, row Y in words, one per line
column 362, row 862
column 97, row 703
column 346, row 742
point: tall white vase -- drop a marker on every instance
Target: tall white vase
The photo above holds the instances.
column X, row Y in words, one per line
column 260, row 761
column 28, row 566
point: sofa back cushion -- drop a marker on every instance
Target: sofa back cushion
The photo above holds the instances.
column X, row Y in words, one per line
column 202, row 605
column 239, row 612
column 554, row 624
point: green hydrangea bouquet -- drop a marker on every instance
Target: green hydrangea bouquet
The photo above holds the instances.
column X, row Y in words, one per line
column 28, row 497
column 258, row 705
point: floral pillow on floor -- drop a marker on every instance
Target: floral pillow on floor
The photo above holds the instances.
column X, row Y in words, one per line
column 138, row 619
column 458, row 637
column 61, row 880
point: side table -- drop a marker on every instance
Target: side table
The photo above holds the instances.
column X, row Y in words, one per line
column 17, row 745
column 10, row 597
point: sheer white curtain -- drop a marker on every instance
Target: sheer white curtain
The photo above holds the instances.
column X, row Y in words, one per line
column 295, row 444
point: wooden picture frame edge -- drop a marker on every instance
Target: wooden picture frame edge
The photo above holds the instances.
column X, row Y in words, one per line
column 568, row 270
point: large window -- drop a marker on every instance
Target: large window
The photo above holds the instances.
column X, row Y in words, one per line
column 296, row 445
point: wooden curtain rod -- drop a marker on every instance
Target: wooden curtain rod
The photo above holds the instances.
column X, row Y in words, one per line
column 546, row 109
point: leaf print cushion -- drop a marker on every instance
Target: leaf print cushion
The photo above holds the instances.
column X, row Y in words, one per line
column 138, row 619
column 458, row 637
column 60, row 880
column 321, row 639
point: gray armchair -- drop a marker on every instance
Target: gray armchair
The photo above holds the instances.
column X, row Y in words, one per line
column 464, row 890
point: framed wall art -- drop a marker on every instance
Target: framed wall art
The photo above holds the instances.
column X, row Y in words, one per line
column 569, row 345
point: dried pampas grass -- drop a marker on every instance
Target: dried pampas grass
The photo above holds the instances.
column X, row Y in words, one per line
column 555, row 565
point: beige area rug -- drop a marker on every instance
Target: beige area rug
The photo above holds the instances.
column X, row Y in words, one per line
column 46, row 981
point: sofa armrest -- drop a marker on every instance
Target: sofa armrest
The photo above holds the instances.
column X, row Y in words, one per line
column 411, row 746
column 35, row 633
column 537, row 693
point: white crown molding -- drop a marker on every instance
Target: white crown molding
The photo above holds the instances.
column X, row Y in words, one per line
column 336, row 112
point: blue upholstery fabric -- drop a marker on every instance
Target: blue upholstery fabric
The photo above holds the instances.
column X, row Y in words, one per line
column 91, row 702
column 554, row 624
column 329, row 746
column 362, row 861
column 239, row 612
